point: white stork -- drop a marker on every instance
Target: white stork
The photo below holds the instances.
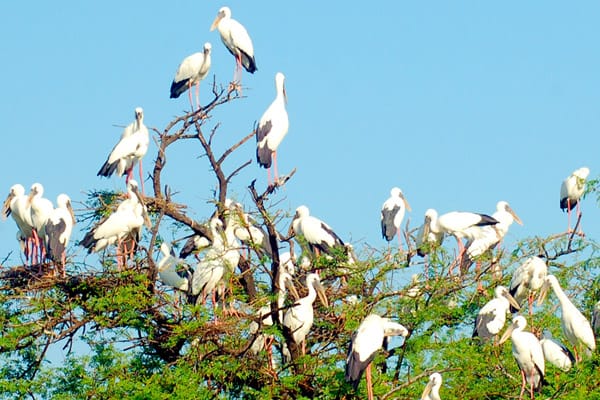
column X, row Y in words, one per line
column 125, row 223
column 167, row 269
column 432, row 390
column 58, row 230
column 272, row 128
column 247, row 230
column 40, row 208
column 129, row 151
column 366, row 340
column 17, row 205
column 319, row 236
column 190, row 72
column 222, row 257
column 299, row 318
column 263, row 341
column 528, row 353
column 492, row 316
column 571, row 191
column 459, row 224
column 576, row 327
column 235, row 37
column 392, row 214
column 194, row 244
column 528, row 278
column 490, row 236
column 556, row 353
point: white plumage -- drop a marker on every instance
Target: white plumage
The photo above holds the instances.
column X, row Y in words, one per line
column 167, row 269
column 429, row 234
column 555, row 353
column 576, row 327
column 235, row 37
column 492, row 316
column 573, row 188
column 40, row 209
column 432, row 390
column 129, row 151
column 392, row 214
column 366, row 341
column 298, row 319
column 17, row 205
column 528, row 353
column 126, row 222
column 222, row 257
column 58, row 230
column 272, row 128
column 190, row 72
column 320, row 237
column 528, row 278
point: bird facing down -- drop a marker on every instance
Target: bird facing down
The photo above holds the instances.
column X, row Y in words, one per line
column 235, row 37
column 556, row 353
column 129, row 151
column 123, row 224
column 366, row 340
column 319, row 235
column 492, row 316
column 576, row 327
column 526, row 279
column 167, row 269
column 299, row 318
column 190, row 72
column 432, row 390
column 428, row 236
column 272, row 128
column 392, row 214
column 528, row 353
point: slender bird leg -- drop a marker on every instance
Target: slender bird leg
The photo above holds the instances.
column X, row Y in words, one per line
column 524, row 382
column 63, row 263
column 269, row 176
column 276, row 177
column 399, row 234
column 531, row 384
column 198, row 95
column 580, row 233
column 141, row 177
column 369, row 382
column 129, row 173
column 478, row 277
column 190, row 94
column 568, row 215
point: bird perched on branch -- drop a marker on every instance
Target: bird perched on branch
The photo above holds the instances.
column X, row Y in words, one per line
column 366, row 340
column 190, row 72
column 129, row 151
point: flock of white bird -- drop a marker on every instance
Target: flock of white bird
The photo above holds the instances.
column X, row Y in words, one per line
column 44, row 232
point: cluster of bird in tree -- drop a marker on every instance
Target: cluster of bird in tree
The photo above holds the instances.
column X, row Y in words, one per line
column 44, row 233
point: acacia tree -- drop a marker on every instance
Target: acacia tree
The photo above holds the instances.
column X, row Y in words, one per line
column 125, row 334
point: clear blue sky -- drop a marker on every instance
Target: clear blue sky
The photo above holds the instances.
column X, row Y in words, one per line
column 460, row 104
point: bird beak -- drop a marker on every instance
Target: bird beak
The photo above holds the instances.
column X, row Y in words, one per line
column 406, row 203
column 216, row 21
column 506, row 334
column 321, row 293
column 427, row 390
column 6, row 206
column 514, row 215
column 147, row 221
column 284, row 95
column 543, row 293
column 70, row 208
column 426, row 226
column 32, row 193
column 290, row 286
column 512, row 300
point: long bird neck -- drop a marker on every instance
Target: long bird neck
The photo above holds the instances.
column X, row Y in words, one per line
column 562, row 297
